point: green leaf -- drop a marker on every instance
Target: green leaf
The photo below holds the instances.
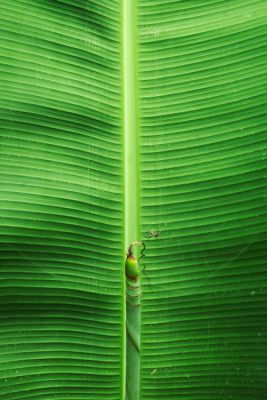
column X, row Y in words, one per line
column 62, row 325
column 121, row 119
column 203, row 126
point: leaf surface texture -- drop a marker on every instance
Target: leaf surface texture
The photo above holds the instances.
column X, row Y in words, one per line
column 202, row 163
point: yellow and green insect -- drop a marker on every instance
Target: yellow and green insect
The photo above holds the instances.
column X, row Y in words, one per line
column 132, row 269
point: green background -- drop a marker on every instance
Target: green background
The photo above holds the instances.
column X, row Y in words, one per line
column 202, row 161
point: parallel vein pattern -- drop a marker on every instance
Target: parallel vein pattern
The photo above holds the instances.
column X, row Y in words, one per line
column 202, row 72
column 61, row 200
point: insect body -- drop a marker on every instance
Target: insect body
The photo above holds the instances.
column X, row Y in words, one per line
column 131, row 265
column 131, row 268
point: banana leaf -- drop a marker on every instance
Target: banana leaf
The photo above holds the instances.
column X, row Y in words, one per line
column 133, row 120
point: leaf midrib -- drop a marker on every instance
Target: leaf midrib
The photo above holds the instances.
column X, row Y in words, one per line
column 131, row 141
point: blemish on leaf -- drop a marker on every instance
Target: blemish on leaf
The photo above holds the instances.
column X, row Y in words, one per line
column 152, row 234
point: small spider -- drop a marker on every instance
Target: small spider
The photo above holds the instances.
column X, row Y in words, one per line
column 152, row 234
